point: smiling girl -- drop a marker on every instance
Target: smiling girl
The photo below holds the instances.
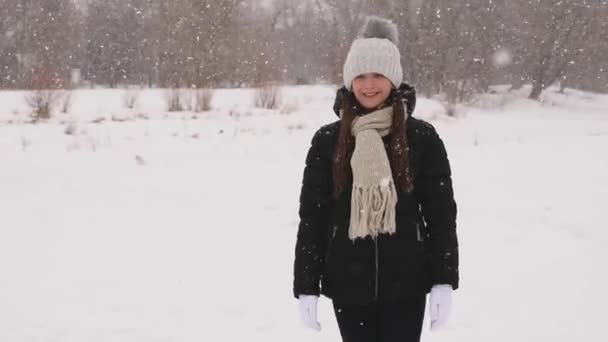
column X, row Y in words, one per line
column 377, row 225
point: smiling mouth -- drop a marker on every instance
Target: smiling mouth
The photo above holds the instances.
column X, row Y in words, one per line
column 370, row 94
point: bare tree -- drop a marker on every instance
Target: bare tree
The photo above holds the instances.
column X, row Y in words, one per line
column 9, row 57
column 551, row 32
column 49, row 37
column 587, row 67
column 38, row 34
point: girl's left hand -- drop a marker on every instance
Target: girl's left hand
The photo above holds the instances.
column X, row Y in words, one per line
column 440, row 305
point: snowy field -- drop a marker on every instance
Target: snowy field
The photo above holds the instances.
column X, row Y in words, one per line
column 181, row 226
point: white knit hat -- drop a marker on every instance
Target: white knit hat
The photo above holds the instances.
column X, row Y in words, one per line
column 375, row 51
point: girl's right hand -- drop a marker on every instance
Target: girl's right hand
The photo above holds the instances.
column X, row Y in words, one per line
column 307, row 305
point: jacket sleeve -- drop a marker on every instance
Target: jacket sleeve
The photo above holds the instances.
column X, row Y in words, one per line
column 439, row 210
column 314, row 201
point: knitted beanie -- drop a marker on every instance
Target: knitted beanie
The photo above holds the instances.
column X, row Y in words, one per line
column 374, row 51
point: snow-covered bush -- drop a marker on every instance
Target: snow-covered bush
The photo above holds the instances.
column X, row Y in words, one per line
column 268, row 97
column 289, row 107
column 173, row 97
column 42, row 102
column 65, row 101
column 45, row 93
column 70, row 128
column 130, row 96
column 202, row 99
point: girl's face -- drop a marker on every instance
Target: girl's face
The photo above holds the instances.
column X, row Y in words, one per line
column 371, row 89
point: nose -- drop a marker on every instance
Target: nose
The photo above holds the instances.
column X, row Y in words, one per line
column 368, row 83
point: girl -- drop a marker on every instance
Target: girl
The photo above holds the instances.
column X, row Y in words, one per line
column 377, row 225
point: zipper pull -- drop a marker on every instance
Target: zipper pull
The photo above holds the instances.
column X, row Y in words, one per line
column 420, row 239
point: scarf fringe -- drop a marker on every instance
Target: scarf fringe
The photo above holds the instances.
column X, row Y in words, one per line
column 373, row 210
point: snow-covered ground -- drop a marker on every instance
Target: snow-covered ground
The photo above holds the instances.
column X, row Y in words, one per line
column 181, row 226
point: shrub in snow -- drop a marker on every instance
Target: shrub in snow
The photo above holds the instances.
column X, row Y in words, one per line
column 130, row 96
column 494, row 99
column 41, row 103
column 70, row 128
column 234, row 113
column 45, row 93
column 289, row 107
column 450, row 108
column 140, row 160
column 202, row 99
column 173, row 97
column 118, row 118
column 65, row 101
column 296, row 126
column 24, row 143
column 268, row 97
column 186, row 99
column 457, row 92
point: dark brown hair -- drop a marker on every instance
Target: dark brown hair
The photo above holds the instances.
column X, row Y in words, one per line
column 398, row 149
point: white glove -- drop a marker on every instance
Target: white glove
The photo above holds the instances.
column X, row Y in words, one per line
column 440, row 305
column 307, row 304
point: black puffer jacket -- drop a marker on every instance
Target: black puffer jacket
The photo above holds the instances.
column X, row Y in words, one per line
column 422, row 252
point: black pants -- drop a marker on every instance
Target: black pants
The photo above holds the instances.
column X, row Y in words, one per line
column 385, row 322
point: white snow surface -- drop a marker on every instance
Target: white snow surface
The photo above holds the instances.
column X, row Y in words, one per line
column 181, row 226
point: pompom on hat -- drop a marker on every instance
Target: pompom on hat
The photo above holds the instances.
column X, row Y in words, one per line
column 374, row 51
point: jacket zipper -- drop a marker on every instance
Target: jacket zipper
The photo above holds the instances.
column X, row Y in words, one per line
column 377, row 268
column 377, row 261
column 330, row 243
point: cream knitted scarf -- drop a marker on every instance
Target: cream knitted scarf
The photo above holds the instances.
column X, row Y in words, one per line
column 374, row 195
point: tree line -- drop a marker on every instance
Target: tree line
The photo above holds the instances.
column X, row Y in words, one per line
column 455, row 47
